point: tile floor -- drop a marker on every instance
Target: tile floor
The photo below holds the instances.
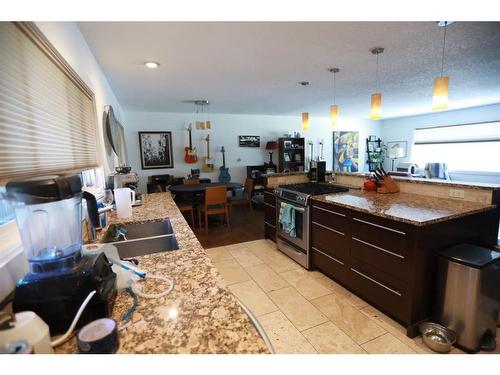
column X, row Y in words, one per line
column 306, row 312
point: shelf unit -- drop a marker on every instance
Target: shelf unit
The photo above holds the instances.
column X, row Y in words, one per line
column 374, row 153
column 295, row 149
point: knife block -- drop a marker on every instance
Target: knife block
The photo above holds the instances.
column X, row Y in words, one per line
column 388, row 186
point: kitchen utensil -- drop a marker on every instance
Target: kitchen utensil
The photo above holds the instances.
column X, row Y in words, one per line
column 437, row 337
column 124, row 198
column 49, row 218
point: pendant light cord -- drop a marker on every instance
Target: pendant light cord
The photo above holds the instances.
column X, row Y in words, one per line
column 376, row 75
column 444, row 45
column 334, row 90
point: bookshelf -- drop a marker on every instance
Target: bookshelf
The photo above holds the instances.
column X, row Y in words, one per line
column 291, row 154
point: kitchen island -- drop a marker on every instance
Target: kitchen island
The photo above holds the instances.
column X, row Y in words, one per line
column 198, row 316
column 384, row 247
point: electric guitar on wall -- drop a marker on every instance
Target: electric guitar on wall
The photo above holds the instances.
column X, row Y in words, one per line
column 190, row 156
column 224, row 175
column 208, row 162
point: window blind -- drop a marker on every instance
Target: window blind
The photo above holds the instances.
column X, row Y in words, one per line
column 481, row 132
column 47, row 113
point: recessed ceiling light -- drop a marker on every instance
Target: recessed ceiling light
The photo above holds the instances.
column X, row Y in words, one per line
column 151, row 64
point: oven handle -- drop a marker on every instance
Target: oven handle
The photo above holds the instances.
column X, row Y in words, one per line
column 296, row 208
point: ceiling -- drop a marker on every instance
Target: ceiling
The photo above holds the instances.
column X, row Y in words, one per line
column 254, row 67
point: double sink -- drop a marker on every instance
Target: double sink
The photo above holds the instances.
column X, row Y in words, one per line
column 137, row 239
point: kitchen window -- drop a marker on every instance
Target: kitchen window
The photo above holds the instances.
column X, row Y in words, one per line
column 470, row 147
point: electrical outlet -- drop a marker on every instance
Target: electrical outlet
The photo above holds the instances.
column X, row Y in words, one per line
column 456, row 193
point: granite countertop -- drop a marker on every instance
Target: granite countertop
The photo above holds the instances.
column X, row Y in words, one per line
column 430, row 181
column 407, row 208
column 200, row 315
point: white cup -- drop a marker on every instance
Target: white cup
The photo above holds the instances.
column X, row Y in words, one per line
column 124, row 199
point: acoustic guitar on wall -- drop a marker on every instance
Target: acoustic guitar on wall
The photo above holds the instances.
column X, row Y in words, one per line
column 190, row 152
column 224, row 175
column 208, row 162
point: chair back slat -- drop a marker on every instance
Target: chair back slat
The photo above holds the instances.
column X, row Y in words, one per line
column 191, row 181
column 215, row 195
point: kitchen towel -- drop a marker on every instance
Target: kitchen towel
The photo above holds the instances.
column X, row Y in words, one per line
column 287, row 218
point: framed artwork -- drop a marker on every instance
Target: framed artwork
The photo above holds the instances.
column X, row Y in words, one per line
column 249, row 140
column 156, row 150
column 345, row 151
column 286, row 156
column 397, row 149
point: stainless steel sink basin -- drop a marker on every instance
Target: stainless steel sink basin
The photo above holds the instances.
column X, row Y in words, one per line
column 134, row 248
column 139, row 230
column 142, row 238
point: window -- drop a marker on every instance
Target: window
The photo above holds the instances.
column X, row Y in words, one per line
column 471, row 147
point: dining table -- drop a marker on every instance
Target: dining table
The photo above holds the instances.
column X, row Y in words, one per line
column 189, row 191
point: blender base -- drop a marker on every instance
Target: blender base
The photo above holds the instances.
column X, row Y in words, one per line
column 56, row 298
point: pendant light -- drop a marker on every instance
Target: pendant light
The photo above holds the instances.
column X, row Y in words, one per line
column 376, row 101
column 440, row 95
column 334, row 108
column 305, row 115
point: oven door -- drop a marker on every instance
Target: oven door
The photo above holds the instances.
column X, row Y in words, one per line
column 301, row 213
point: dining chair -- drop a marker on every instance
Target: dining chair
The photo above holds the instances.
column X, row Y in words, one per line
column 245, row 199
column 215, row 204
column 191, row 181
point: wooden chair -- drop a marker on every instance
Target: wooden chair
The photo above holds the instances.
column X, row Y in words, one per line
column 215, row 204
column 187, row 208
column 191, row 181
column 246, row 198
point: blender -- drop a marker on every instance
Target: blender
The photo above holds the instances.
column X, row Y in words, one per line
column 49, row 217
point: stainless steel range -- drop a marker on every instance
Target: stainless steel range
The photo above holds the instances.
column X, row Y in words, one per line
column 296, row 243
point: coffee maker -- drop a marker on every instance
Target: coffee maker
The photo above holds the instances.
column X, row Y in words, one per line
column 49, row 217
column 317, row 171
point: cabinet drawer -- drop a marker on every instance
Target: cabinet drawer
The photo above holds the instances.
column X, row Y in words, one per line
column 380, row 289
column 390, row 261
column 330, row 266
column 389, row 235
column 269, row 198
column 269, row 214
column 330, row 216
column 330, row 241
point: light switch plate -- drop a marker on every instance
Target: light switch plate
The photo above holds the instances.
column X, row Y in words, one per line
column 456, row 193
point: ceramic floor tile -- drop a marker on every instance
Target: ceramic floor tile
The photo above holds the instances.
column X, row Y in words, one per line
column 286, row 339
column 277, row 260
column 266, row 278
column 244, row 256
column 253, row 297
column 327, row 338
column 338, row 289
column 219, row 254
column 306, row 285
column 387, row 344
column 231, row 272
column 297, row 309
column 357, row 325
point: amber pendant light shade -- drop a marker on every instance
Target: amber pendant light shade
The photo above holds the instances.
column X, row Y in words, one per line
column 305, row 121
column 334, row 114
column 440, row 97
column 376, row 106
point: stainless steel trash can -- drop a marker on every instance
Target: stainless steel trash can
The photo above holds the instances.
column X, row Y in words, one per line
column 468, row 294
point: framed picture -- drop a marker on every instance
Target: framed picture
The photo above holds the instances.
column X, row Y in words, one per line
column 286, row 157
column 396, row 149
column 249, row 140
column 287, row 144
column 345, row 151
column 156, row 150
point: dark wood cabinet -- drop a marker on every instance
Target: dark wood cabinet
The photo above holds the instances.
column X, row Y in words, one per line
column 390, row 264
column 291, row 154
column 269, row 215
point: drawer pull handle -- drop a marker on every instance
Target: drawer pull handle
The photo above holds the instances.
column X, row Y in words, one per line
column 376, row 282
column 329, row 211
column 329, row 256
column 330, row 229
column 267, row 223
column 380, row 226
column 270, row 205
column 379, row 248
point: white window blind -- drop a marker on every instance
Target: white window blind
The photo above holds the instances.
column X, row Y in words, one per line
column 481, row 132
column 47, row 113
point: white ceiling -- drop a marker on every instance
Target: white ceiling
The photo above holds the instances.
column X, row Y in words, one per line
column 253, row 68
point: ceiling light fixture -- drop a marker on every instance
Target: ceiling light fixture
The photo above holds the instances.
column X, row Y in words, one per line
column 334, row 108
column 151, row 64
column 205, row 122
column 440, row 94
column 376, row 101
column 305, row 115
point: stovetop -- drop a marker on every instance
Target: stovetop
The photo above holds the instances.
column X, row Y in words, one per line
column 314, row 188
